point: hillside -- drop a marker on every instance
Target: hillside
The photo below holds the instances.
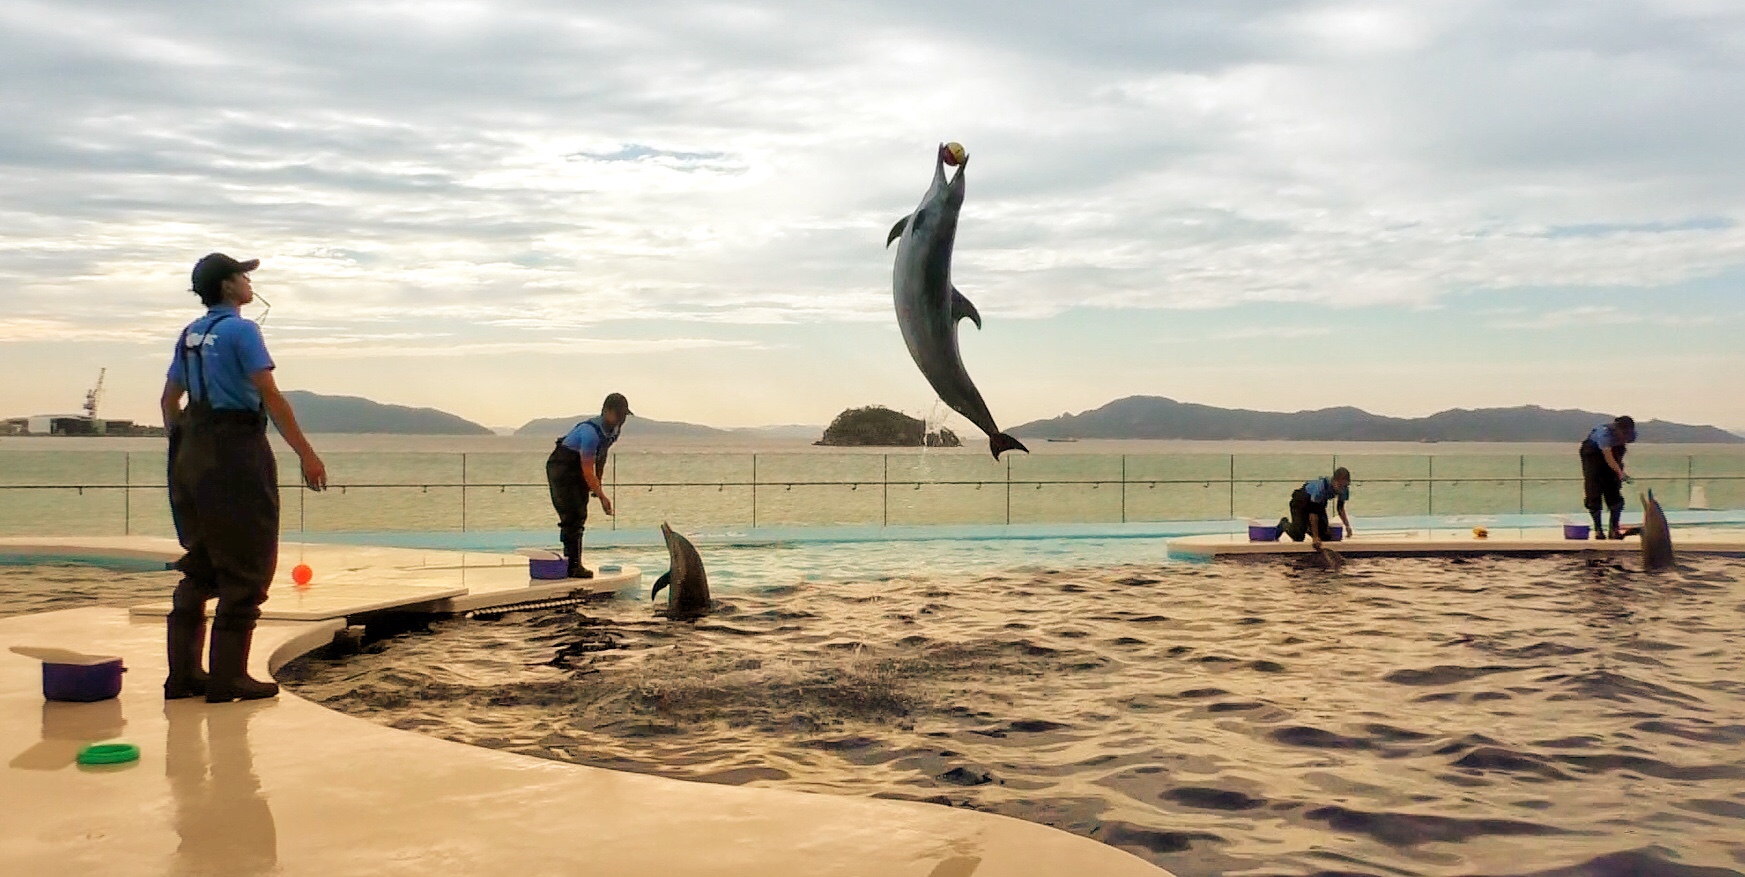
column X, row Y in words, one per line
column 876, row 426
column 317, row 413
column 646, row 428
column 1155, row 417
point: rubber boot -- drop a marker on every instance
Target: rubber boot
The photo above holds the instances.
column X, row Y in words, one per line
column 1613, row 532
column 1283, row 523
column 187, row 640
column 230, row 680
column 1599, row 529
column 572, row 550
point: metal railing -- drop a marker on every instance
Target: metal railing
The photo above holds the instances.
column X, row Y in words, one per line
column 68, row 493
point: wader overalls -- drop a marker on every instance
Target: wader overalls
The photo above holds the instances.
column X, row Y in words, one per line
column 224, row 499
column 569, row 495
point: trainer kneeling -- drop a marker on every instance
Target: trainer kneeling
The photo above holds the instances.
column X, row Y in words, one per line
column 1309, row 508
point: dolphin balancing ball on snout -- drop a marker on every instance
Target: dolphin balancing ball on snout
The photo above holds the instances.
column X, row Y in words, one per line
column 929, row 307
column 688, row 596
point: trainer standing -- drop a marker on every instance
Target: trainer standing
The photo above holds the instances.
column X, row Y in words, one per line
column 224, row 484
column 573, row 472
column 1602, row 471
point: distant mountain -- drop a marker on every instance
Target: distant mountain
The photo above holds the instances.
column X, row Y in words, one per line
column 644, row 427
column 352, row 414
column 1155, row 417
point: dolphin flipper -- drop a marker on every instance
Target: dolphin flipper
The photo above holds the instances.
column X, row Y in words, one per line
column 897, row 230
column 961, row 307
column 666, row 578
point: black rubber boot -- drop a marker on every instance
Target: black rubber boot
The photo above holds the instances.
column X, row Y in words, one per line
column 187, row 640
column 1282, row 524
column 1613, row 532
column 1599, row 529
column 572, row 551
column 230, row 680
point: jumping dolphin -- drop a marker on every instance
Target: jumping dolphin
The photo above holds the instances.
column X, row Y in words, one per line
column 689, row 596
column 1656, row 535
column 928, row 306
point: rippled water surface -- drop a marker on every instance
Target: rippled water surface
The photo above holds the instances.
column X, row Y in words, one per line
column 42, row 587
column 1423, row 716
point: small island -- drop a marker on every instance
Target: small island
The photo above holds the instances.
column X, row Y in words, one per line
column 878, row 426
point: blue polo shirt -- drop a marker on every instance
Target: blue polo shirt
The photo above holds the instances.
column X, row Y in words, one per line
column 591, row 438
column 221, row 352
column 1606, row 436
column 1321, row 490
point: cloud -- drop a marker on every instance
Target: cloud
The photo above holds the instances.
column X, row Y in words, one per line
column 1598, row 315
column 470, row 167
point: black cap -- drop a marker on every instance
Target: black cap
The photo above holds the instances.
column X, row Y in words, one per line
column 216, row 268
column 616, row 402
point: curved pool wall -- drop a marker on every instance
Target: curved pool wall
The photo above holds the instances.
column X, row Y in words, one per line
column 290, row 787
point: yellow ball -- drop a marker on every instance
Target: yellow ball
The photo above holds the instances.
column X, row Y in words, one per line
column 954, row 154
column 1480, row 533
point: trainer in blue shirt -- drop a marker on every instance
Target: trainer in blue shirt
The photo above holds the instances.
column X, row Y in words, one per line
column 1602, row 471
column 573, row 470
column 1309, row 508
column 224, row 484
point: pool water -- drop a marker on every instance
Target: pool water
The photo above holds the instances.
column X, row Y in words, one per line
column 39, row 586
column 1403, row 716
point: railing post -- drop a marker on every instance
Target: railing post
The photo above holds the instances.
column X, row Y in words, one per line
column 614, row 491
column 1232, row 487
column 754, row 491
column 1430, row 491
column 885, row 488
column 127, row 494
column 1123, row 488
column 463, row 492
column 1008, row 491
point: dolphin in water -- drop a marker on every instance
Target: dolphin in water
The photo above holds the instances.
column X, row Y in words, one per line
column 689, row 595
column 928, row 306
column 1656, row 535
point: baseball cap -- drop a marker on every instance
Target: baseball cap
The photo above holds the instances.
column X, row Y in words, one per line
column 617, row 402
column 215, row 268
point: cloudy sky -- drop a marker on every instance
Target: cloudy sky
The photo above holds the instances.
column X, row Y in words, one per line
column 506, row 209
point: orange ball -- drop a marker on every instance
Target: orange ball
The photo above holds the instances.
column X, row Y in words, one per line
column 302, row 574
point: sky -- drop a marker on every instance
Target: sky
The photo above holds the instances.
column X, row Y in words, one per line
column 507, row 209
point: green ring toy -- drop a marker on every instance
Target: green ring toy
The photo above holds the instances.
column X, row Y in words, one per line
column 109, row 753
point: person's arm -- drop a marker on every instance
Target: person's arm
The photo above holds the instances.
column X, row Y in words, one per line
column 591, row 474
column 1315, row 531
column 1346, row 520
column 1612, row 460
column 171, row 404
column 279, row 408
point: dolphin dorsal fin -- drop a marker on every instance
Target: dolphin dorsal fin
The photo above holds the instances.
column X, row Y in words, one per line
column 897, row 230
column 961, row 308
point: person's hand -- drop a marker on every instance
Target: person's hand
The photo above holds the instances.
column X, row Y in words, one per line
column 606, row 505
column 1350, row 531
column 314, row 472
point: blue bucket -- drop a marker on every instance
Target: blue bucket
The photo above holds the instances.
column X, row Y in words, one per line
column 82, row 683
column 541, row 568
column 1336, row 533
column 1263, row 532
column 1576, row 531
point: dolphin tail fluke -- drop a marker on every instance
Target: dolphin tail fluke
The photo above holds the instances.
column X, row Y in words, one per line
column 1001, row 443
column 666, row 578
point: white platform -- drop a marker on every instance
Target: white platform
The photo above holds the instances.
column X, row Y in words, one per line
column 1408, row 543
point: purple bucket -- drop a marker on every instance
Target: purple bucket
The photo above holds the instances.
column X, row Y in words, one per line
column 1576, row 531
column 1336, row 533
column 1263, row 532
column 82, row 683
column 541, row 568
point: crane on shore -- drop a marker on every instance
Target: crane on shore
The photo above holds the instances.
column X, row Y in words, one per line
column 94, row 396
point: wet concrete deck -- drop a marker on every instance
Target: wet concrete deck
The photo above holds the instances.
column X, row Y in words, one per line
column 1450, row 542
column 288, row 787
column 355, row 580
